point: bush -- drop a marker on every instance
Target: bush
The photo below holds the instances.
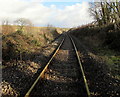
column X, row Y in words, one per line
column 35, row 42
column 113, row 40
column 105, row 35
column 19, row 31
column 10, row 52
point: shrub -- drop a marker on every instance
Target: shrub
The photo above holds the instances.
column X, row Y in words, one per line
column 113, row 40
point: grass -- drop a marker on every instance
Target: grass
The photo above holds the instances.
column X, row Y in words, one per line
column 112, row 60
column 23, row 43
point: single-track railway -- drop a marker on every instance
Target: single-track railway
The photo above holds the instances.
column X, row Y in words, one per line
column 63, row 75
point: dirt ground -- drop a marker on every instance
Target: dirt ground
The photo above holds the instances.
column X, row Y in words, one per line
column 63, row 76
column 17, row 77
column 101, row 83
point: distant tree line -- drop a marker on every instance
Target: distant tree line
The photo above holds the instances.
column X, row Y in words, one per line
column 106, row 12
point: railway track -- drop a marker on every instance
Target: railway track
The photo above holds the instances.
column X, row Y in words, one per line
column 63, row 75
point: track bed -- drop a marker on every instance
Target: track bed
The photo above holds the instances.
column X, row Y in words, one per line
column 63, row 76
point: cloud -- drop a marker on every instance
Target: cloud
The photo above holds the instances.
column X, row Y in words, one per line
column 55, row 0
column 41, row 15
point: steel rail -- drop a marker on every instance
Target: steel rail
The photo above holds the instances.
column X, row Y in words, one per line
column 81, row 67
column 30, row 90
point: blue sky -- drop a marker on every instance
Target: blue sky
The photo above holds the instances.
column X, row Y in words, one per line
column 41, row 13
column 59, row 3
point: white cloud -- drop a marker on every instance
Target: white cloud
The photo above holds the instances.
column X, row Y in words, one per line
column 55, row 0
column 39, row 14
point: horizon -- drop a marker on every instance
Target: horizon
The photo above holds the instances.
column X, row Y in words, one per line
column 63, row 14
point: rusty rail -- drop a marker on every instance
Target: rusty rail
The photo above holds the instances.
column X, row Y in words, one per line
column 81, row 67
column 41, row 74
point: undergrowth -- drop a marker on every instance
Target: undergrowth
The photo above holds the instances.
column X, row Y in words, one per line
column 112, row 59
column 105, row 43
column 104, row 36
column 20, row 45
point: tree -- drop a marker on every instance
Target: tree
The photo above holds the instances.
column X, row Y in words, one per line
column 22, row 22
column 115, row 15
column 106, row 12
column 95, row 12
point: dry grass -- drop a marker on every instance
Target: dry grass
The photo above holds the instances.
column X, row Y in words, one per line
column 16, row 44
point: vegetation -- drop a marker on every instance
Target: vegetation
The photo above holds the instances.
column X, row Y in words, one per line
column 105, row 30
column 20, row 41
column 112, row 59
column 103, row 35
column 22, row 23
column 106, row 13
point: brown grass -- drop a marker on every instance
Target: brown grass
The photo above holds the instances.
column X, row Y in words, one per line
column 30, row 40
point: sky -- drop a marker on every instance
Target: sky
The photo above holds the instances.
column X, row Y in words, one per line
column 59, row 13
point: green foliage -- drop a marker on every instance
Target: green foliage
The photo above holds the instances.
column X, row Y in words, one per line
column 19, row 31
column 35, row 42
column 112, row 59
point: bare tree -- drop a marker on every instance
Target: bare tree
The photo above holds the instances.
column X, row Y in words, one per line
column 115, row 14
column 22, row 22
column 95, row 12
column 106, row 12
